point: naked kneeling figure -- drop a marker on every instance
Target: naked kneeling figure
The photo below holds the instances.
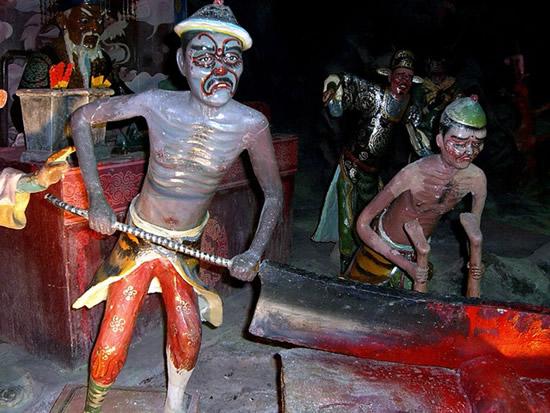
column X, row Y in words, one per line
column 395, row 225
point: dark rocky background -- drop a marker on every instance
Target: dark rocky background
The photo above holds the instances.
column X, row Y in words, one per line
column 296, row 44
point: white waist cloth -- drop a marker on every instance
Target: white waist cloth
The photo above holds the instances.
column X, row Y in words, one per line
column 209, row 302
column 388, row 240
column 189, row 235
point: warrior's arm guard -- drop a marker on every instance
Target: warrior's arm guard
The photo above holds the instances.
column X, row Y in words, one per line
column 359, row 94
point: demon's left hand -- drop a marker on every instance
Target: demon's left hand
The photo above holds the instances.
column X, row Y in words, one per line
column 245, row 266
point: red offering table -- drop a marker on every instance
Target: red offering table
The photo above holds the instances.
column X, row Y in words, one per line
column 49, row 264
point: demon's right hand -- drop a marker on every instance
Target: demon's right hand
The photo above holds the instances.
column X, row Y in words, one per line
column 101, row 216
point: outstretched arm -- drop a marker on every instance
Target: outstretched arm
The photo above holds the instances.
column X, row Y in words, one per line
column 16, row 187
column 102, row 217
column 349, row 92
column 50, row 173
column 264, row 163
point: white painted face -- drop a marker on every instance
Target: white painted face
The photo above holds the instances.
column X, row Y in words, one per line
column 212, row 65
column 460, row 146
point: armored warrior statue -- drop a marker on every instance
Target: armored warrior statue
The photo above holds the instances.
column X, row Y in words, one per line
column 395, row 224
column 194, row 137
column 357, row 178
column 434, row 94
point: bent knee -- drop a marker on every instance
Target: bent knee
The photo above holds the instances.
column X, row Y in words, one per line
column 184, row 346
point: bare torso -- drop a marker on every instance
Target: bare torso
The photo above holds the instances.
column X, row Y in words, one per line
column 191, row 148
column 432, row 192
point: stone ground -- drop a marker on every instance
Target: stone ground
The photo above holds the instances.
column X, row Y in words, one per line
column 235, row 373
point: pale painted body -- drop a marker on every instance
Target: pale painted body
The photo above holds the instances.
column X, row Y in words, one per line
column 424, row 191
column 194, row 138
column 190, row 151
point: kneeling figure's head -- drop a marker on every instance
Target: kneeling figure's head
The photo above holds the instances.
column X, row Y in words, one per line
column 462, row 132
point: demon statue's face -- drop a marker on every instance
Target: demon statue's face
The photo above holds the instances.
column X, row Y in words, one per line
column 212, row 65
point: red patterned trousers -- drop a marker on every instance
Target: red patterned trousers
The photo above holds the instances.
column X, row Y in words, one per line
column 123, row 302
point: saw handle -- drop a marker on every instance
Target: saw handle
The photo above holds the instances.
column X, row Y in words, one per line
column 422, row 248
column 471, row 225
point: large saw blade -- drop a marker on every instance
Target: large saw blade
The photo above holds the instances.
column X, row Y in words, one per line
column 346, row 317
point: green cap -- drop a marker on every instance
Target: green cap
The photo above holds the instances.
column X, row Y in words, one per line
column 467, row 111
